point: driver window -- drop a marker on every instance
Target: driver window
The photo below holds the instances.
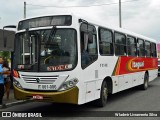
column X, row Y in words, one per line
column 88, row 45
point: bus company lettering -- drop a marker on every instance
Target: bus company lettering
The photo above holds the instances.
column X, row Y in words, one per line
column 137, row 64
column 59, row 67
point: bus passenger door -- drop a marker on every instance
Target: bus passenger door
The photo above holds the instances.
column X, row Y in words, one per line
column 33, row 49
column 30, row 50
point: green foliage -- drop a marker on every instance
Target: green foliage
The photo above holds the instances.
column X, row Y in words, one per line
column 5, row 54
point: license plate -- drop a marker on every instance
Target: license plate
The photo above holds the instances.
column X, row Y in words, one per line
column 47, row 87
column 38, row 97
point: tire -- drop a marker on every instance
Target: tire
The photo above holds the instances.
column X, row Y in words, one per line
column 102, row 101
column 144, row 86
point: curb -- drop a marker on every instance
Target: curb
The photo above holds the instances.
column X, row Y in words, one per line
column 14, row 103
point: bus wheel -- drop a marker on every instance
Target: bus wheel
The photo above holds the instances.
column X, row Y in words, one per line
column 101, row 102
column 144, row 86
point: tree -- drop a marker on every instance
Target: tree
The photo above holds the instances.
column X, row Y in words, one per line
column 5, row 54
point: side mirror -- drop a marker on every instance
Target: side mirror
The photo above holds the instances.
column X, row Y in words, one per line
column 4, row 37
column 9, row 26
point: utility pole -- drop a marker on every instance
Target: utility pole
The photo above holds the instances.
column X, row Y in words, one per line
column 0, row 21
column 24, row 10
column 120, row 22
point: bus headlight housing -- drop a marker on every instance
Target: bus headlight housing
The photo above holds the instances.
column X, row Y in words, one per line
column 17, row 84
column 69, row 84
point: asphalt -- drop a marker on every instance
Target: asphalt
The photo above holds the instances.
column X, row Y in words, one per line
column 11, row 101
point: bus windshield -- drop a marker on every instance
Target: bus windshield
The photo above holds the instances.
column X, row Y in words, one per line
column 46, row 50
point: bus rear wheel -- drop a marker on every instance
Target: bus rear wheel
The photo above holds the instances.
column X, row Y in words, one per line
column 101, row 102
column 144, row 86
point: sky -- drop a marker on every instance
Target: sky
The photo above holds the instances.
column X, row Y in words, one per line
column 139, row 16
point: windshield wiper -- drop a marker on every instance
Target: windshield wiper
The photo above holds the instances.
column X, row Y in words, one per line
column 52, row 33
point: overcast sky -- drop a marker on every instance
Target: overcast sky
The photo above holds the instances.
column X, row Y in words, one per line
column 140, row 16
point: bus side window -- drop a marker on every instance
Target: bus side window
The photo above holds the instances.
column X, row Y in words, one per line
column 131, row 46
column 141, row 48
column 105, row 42
column 153, row 50
column 148, row 48
column 120, row 44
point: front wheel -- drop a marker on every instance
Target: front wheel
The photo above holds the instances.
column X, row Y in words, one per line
column 101, row 102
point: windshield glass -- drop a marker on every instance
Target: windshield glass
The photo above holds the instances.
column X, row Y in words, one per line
column 46, row 50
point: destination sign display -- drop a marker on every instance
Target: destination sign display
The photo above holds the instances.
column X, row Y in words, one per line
column 60, row 20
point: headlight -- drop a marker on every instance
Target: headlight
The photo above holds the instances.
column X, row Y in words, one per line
column 17, row 84
column 69, row 84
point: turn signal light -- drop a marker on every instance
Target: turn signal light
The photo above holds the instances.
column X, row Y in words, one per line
column 15, row 74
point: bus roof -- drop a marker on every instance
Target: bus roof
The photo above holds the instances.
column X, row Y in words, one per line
column 104, row 25
column 121, row 30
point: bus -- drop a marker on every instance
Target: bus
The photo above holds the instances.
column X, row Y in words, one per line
column 66, row 59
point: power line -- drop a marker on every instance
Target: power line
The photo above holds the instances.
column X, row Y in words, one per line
column 82, row 5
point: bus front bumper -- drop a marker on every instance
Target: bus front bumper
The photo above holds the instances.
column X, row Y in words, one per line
column 67, row 96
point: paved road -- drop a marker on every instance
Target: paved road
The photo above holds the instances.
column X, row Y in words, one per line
column 128, row 100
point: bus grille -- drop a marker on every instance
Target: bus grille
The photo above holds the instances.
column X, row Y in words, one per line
column 39, row 79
